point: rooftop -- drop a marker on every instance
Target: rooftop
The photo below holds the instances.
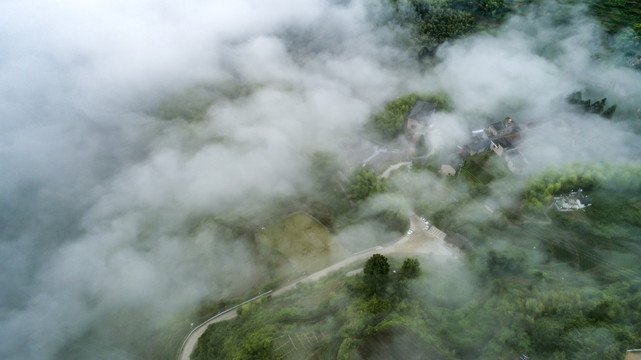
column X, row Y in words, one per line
column 479, row 146
column 634, row 354
column 422, row 110
column 504, row 143
column 575, row 200
column 502, row 128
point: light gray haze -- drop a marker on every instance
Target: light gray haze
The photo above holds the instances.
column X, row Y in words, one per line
column 104, row 173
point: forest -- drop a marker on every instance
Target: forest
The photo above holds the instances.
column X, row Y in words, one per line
column 432, row 23
column 503, row 300
column 533, row 281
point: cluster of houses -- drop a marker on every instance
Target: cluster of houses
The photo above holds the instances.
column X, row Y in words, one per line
column 501, row 137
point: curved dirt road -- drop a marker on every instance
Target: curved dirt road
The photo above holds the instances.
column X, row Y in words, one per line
column 391, row 168
column 420, row 241
column 192, row 340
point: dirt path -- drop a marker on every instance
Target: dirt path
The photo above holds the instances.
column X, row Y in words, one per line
column 420, row 241
column 389, row 170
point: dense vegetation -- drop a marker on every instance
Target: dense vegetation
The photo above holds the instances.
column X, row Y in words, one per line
column 482, row 168
column 564, row 288
column 616, row 15
column 594, row 177
column 431, row 23
column 499, row 304
column 388, row 123
column 595, row 107
column 314, row 320
column 621, row 19
column 365, row 183
column 589, row 310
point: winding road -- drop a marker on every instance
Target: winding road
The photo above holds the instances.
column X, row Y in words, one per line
column 418, row 240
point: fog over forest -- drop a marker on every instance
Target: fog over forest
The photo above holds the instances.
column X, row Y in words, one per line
column 126, row 123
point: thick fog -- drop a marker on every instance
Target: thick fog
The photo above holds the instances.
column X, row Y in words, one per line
column 104, row 174
column 99, row 191
column 527, row 70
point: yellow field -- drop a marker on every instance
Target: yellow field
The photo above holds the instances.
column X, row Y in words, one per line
column 303, row 241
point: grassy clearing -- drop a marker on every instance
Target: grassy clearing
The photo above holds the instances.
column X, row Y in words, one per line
column 304, row 242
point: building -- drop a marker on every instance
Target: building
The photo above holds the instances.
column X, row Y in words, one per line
column 514, row 159
column 634, row 354
column 500, row 146
column 478, row 147
column 506, row 128
column 452, row 162
column 575, row 200
column 418, row 121
column 419, row 117
column 500, row 138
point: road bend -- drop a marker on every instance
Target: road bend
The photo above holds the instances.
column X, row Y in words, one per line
column 418, row 240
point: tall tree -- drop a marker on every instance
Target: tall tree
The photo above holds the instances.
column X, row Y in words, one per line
column 364, row 184
column 389, row 122
column 376, row 270
column 411, row 268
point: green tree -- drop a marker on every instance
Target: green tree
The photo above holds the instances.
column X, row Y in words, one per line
column 376, row 270
column 439, row 25
column 389, row 121
column 410, row 269
column 377, row 305
column 505, row 262
column 609, row 111
column 596, row 107
column 256, row 345
column 490, row 7
column 364, row 184
column 394, row 220
column 400, row 289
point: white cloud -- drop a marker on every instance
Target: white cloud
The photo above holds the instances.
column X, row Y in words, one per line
column 99, row 195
